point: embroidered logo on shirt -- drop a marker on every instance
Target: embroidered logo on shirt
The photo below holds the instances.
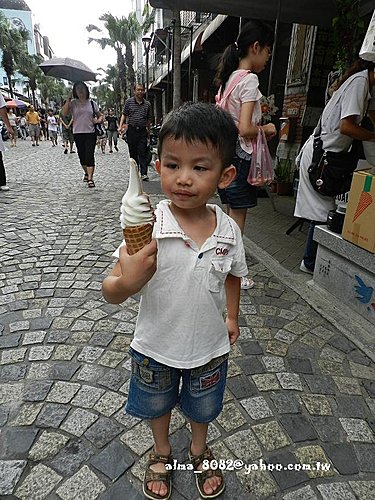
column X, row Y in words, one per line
column 221, row 251
column 209, row 380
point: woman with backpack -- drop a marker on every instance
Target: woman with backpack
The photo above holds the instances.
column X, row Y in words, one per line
column 339, row 126
column 239, row 88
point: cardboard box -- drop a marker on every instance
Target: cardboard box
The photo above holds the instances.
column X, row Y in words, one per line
column 359, row 224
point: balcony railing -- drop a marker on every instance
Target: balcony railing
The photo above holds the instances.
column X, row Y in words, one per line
column 161, row 48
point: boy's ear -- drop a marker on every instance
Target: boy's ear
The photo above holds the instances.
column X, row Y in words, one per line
column 227, row 176
column 157, row 166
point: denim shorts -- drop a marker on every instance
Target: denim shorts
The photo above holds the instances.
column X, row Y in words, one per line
column 155, row 389
column 239, row 194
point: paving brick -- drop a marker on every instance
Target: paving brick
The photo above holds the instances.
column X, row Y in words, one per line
column 285, row 403
column 298, row 427
column 286, row 478
column 321, row 384
column 102, row 432
column 123, row 488
column 36, row 390
column 51, row 415
column 350, row 407
column 241, row 386
column 271, row 435
column 329, row 429
column 10, row 473
column 70, row 458
column 250, row 365
column 343, row 457
column 113, row 460
column 336, row 491
column 16, row 442
column 38, row 484
column 251, row 347
column 357, row 430
column 299, row 365
column 83, row 484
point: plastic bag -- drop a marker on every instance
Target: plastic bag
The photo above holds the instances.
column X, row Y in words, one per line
column 261, row 167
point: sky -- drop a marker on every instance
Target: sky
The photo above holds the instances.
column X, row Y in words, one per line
column 65, row 21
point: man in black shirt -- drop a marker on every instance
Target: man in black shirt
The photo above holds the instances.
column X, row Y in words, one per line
column 137, row 115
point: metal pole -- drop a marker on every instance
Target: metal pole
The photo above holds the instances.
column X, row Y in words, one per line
column 172, row 72
column 168, row 73
column 276, row 32
column 189, row 71
column 147, row 75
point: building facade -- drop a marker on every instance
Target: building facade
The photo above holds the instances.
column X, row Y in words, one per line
column 20, row 15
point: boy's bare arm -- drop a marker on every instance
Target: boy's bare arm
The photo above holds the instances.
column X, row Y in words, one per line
column 233, row 290
column 130, row 274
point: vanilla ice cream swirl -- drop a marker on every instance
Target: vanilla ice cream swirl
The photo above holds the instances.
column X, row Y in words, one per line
column 136, row 208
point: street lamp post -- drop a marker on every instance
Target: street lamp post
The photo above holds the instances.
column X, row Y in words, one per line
column 146, row 40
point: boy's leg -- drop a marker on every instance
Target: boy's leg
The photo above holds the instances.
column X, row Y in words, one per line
column 197, row 447
column 160, row 431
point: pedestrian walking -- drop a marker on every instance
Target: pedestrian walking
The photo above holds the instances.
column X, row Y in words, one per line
column 23, row 125
column 66, row 122
column 33, row 122
column 13, row 120
column 112, row 126
column 52, row 126
column 43, row 133
column 196, row 256
column 238, row 68
column 4, row 117
column 136, row 120
column 340, row 125
column 81, row 108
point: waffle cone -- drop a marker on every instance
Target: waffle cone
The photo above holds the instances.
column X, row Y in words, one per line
column 137, row 237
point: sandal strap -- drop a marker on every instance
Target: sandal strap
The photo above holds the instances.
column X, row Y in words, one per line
column 198, row 459
column 155, row 458
column 151, row 475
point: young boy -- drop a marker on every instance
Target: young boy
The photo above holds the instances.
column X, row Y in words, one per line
column 186, row 275
column 52, row 127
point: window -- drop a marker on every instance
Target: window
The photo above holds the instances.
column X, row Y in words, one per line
column 5, row 80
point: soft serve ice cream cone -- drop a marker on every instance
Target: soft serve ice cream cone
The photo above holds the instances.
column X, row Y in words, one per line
column 137, row 216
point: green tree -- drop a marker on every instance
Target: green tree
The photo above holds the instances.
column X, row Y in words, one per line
column 104, row 95
column 348, row 31
column 52, row 89
column 13, row 43
column 29, row 67
column 121, row 33
column 112, row 79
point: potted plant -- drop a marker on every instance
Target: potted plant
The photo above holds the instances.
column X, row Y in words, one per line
column 284, row 171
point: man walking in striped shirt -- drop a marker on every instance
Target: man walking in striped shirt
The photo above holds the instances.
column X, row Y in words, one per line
column 136, row 119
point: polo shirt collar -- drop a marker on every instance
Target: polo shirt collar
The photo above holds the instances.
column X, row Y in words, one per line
column 166, row 225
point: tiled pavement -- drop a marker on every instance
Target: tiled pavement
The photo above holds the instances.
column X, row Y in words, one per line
column 299, row 392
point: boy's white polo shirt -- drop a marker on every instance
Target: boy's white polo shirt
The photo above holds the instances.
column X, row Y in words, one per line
column 180, row 321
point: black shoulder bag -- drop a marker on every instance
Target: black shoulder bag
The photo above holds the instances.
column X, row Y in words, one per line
column 99, row 130
column 331, row 173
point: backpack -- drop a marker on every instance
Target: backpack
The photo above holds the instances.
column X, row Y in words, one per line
column 221, row 100
column 261, row 168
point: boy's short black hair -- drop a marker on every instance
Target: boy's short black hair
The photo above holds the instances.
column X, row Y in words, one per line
column 203, row 123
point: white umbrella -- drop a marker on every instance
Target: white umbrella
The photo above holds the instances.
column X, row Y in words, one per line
column 68, row 69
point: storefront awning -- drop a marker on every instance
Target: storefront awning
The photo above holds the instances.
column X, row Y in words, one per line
column 213, row 26
column 315, row 12
column 196, row 42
